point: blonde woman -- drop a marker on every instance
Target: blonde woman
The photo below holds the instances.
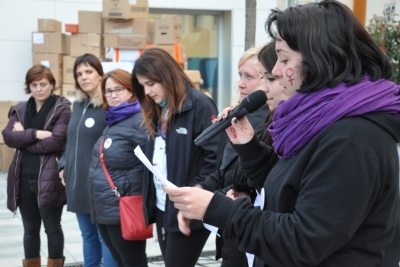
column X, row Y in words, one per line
column 228, row 168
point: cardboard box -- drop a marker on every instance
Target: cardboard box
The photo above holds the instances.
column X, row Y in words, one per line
column 68, row 69
column 131, row 26
column 52, row 61
column 49, row 25
column 68, row 40
column 167, row 30
column 76, row 51
column 72, row 28
column 4, row 109
column 126, row 9
column 58, row 91
column 69, row 90
column 177, row 51
column 195, row 77
column 49, row 42
column 6, row 156
column 91, row 39
column 125, row 41
column 90, row 22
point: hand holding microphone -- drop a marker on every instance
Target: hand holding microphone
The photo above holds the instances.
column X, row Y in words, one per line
column 248, row 105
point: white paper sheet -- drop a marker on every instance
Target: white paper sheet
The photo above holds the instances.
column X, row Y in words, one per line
column 139, row 153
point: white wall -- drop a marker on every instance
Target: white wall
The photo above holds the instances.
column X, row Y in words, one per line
column 18, row 18
column 377, row 7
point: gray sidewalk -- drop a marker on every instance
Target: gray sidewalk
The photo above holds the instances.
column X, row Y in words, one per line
column 11, row 237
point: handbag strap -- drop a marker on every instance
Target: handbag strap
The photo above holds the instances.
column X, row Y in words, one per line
column 103, row 165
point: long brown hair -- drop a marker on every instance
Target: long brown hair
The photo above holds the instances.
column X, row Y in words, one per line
column 159, row 67
column 121, row 77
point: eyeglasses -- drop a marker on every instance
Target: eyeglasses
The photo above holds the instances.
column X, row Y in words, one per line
column 117, row 91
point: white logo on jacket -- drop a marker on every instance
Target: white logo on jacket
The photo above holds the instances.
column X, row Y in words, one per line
column 181, row 130
column 89, row 123
column 107, row 143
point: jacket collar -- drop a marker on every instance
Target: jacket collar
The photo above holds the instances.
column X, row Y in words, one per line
column 96, row 101
column 187, row 103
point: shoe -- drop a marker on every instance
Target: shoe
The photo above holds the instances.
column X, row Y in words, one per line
column 32, row 262
column 55, row 262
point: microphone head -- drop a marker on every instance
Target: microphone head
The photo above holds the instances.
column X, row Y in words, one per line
column 254, row 101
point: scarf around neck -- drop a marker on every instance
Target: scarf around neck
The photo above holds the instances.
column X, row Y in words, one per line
column 300, row 118
column 121, row 112
column 37, row 120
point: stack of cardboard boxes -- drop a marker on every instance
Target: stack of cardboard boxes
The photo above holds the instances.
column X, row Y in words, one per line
column 127, row 29
column 86, row 37
column 168, row 36
column 121, row 27
column 49, row 46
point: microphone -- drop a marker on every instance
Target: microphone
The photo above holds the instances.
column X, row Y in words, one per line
column 248, row 105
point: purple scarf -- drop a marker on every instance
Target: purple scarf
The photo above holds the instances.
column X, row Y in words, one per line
column 121, row 112
column 300, row 118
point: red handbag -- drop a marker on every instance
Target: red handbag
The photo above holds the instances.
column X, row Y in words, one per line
column 133, row 225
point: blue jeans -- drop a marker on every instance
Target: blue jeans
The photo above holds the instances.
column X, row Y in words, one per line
column 94, row 247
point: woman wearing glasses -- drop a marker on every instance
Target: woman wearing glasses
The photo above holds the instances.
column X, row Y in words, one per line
column 86, row 125
column 120, row 137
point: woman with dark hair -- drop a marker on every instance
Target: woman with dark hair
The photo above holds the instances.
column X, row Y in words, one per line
column 86, row 125
column 175, row 114
column 124, row 132
column 233, row 177
column 333, row 198
column 37, row 129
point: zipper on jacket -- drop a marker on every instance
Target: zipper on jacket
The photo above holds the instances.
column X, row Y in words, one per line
column 41, row 163
column 76, row 143
column 15, row 173
column 40, row 172
column 15, row 170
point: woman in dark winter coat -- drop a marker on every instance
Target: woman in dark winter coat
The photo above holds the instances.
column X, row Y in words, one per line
column 224, row 178
column 124, row 132
column 175, row 114
column 86, row 125
column 245, row 180
column 333, row 197
column 37, row 129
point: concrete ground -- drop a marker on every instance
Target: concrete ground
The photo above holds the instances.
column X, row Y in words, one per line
column 11, row 236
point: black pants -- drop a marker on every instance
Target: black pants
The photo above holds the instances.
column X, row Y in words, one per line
column 179, row 250
column 231, row 255
column 32, row 217
column 126, row 253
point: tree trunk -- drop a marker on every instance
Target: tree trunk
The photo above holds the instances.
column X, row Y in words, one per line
column 250, row 34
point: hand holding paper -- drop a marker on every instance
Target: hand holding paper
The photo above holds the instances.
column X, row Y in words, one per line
column 139, row 153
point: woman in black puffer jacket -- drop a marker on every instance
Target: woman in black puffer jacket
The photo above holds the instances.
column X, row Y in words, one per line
column 121, row 136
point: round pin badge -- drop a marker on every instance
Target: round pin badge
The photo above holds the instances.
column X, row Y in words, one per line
column 107, row 143
column 89, row 122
